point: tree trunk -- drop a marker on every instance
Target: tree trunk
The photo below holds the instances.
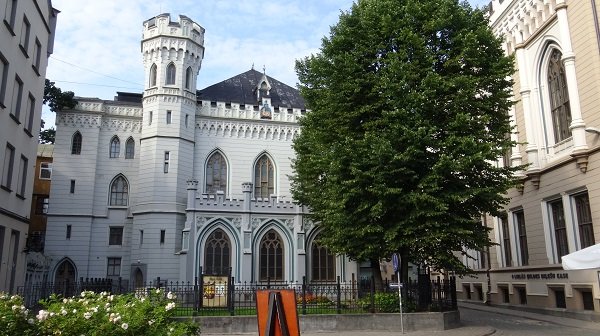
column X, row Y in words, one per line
column 376, row 275
column 403, row 265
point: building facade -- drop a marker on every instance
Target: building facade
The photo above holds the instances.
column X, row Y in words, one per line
column 177, row 181
column 26, row 41
column 556, row 209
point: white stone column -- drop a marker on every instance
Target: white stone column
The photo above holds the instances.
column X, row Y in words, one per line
column 516, row 159
column 188, row 236
column 577, row 124
column 531, row 149
column 246, row 262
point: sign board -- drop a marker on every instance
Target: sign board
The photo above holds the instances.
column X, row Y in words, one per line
column 276, row 313
column 395, row 262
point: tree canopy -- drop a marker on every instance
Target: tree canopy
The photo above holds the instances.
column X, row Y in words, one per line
column 409, row 105
column 56, row 99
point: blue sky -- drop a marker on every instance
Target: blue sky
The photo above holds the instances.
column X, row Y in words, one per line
column 97, row 43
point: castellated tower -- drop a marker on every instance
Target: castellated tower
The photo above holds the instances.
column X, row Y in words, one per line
column 172, row 55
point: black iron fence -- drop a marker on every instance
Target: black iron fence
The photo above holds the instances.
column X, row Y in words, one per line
column 220, row 295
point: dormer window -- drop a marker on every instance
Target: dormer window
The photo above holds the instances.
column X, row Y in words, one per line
column 265, row 110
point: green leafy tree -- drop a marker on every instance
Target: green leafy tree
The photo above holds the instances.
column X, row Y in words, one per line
column 47, row 136
column 409, row 108
column 57, row 100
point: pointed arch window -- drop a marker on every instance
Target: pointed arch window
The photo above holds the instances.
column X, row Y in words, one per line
column 153, row 75
column 217, row 253
column 170, row 79
column 559, row 97
column 119, row 191
column 188, row 78
column 323, row 262
column 115, row 147
column 216, row 174
column 264, row 172
column 271, row 257
column 76, row 142
column 130, row 148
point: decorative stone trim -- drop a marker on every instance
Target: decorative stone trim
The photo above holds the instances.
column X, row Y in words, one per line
column 246, row 130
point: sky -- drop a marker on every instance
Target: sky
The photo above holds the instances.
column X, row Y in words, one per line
column 97, row 43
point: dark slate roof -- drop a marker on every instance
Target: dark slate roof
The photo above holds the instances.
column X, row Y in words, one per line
column 240, row 89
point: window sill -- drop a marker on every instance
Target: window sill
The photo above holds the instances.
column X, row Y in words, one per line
column 23, row 50
column 21, row 196
column 28, row 132
column 15, row 118
column 2, row 105
column 118, row 207
column 10, row 28
column 6, row 188
column 35, row 69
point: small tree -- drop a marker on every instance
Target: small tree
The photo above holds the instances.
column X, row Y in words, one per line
column 409, row 103
column 47, row 136
column 57, row 100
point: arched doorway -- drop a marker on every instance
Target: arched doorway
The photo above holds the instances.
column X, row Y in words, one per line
column 64, row 278
column 138, row 278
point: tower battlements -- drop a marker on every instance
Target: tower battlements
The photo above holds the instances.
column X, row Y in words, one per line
column 179, row 41
column 161, row 25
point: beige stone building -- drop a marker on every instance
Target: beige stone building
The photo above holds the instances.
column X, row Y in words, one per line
column 556, row 211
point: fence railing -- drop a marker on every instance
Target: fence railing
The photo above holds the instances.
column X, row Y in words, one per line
column 212, row 295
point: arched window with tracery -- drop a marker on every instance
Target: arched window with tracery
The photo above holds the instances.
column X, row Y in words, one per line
column 119, row 191
column 130, row 148
column 322, row 262
column 76, row 142
column 559, row 97
column 217, row 253
column 152, row 75
column 188, row 78
column 170, row 78
column 115, row 147
column 216, row 174
column 264, row 177
column 271, row 257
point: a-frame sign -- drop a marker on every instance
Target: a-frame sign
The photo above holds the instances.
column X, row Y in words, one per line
column 276, row 312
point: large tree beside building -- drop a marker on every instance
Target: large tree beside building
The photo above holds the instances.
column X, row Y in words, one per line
column 409, row 108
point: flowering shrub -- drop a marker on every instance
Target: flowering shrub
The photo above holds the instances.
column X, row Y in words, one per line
column 98, row 314
column 14, row 318
column 310, row 298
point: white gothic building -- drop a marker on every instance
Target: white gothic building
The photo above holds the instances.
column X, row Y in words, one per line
column 174, row 180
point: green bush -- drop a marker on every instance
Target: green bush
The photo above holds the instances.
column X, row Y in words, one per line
column 96, row 314
column 387, row 303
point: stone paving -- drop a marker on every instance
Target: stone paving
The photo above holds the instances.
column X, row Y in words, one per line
column 464, row 330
